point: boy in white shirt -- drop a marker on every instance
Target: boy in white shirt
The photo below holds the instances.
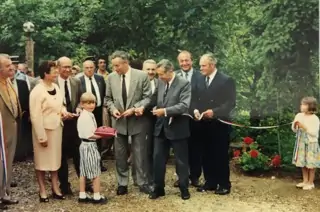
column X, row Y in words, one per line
column 89, row 154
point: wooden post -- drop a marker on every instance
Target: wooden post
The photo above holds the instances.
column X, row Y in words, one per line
column 30, row 52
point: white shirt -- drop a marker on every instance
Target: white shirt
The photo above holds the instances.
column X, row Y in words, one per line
column 153, row 86
column 190, row 72
column 211, row 76
column 127, row 79
column 61, row 83
column 311, row 123
column 86, row 125
column 95, row 86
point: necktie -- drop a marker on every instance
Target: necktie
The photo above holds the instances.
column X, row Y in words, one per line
column 93, row 91
column 187, row 76
column 207, row 81
column 67, row 95
column 124, row 91
column 166, row 91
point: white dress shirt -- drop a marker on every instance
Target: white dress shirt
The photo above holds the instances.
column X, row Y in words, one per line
column 127, row 79
column 61, row 83
column 86, row 125
column 95, row 86
column 212, row 75
column 190, row 72
column 153, row 86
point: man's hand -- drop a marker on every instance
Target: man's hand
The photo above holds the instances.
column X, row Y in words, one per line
column 139, row 111
column 66, row 116
column 116, row 114
column 128, row 112
column 197, row 115
column 208, row 114
column 158, row 112
column 44, row 143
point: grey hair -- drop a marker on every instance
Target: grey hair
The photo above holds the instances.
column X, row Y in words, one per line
column 210, row 57
column 121, row 54
column 3, row 57
column 149, row 61
column 166, row 65
column 62, row 58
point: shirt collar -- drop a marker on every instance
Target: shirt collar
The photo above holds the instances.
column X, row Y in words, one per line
column 60, row 79
column 213, row 74
column 173, row 76
column 92, row 77
column 128, row 74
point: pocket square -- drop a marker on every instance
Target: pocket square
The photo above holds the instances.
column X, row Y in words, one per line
column 106, row 132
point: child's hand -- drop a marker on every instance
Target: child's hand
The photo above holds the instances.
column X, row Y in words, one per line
column 301, row 126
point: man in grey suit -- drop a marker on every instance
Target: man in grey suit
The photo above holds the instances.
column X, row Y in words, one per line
column 171, row 128
column 128, row 93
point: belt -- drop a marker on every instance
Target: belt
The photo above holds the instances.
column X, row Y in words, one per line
column 87, row 140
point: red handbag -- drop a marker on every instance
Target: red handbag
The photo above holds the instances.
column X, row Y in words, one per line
column 106, row 132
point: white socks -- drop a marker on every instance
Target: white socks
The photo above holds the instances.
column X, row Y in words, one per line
column 82, row 195
column 96, row 196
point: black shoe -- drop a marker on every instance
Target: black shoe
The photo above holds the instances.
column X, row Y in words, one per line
column 222, row 191
column 58, row 196
column 176, row 184
column 101, row 201
column 185, row 194
column 122, row 190
column 157, row 193
column 41, row 199
column 85, row 200
column 9, row 201
column 3, row 206
column 205, row 187
column 13, row 184
column 145, row 189
column 195, row 183
column 66, row 190
column 103, row 168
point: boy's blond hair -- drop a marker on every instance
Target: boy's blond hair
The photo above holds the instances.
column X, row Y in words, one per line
column 87, row 97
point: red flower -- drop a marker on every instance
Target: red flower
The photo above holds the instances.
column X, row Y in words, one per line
column 248, row 140
column 276, row 161
column 236, row 153
column 254, row 153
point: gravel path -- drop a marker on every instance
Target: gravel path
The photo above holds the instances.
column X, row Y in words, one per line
column 249, row 194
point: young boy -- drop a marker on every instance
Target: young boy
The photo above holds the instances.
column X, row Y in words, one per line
column 89, row 154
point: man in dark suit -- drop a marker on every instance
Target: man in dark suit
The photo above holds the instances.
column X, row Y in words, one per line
column 94, row 83
column 70, row 90
column 171, row 128
column 215, row 99
column 24, row 145
column 149, row 66
column 192, row 75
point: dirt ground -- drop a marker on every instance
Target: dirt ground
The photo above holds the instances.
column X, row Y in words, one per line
column 250, row 194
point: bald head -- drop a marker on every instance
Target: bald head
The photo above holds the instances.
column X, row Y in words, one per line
column 185, row 61
column 88, row 68
column 64, row 66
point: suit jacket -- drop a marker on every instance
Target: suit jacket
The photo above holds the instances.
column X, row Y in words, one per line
column 23, row 95
column 45, row 111
column 33, row 81
column 75, row 93
column 9, row 122
column 101, row 84
column 139, row 96
column 194, row 79
column 176, row 103
column 148, row 110
column 220, row 96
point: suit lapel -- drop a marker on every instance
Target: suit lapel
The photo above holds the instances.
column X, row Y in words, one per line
column 132, row 87
column 83, row 84
column 120, row 91
column 6, row 100
column 161, row 89
column 215, row 82
column 73, row 92
column 171, row 89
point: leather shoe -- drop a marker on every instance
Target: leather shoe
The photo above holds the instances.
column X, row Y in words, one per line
column 222, row 191
column 3, row 206
column 176, row 184
column 13, row 184
column 185, row 194
column 195, row 183
column 157, row 193
column 205, row 188
column 145, row 189
column 9, row 201
column 66, row 190
column 122, row 190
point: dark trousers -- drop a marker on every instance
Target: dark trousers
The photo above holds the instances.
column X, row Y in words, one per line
column 215, row 138
column 98, row 111
column 195, row 151
column 70, row 148
column 150, row 146
column 161, row 150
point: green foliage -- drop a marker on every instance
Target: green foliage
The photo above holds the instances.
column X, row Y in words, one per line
column 249, row 163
